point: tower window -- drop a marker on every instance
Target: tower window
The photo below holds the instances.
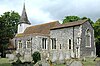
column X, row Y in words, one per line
column 44, row 43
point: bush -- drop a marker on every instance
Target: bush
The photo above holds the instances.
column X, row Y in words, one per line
column 36, row 56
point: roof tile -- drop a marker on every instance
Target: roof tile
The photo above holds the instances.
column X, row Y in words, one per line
column 69, row 24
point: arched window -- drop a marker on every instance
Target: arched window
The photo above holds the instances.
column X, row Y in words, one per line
column 44, row 43
column 53, row 41
column 28, row 42
column 88, row 38
column 19, row 44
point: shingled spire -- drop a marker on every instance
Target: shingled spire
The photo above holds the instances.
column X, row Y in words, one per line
column 24, row 18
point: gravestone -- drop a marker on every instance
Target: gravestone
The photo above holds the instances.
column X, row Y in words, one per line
column 75, row 63
column 61, row 57
column 10, row 56
column 41, row 63
column 27, row 57
column 0, row 55
column 98, row 63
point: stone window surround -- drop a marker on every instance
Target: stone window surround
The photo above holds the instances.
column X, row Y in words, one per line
column 44, row 43
column 87, row 33
column 28, row 42
column 20, row 42
column 70, row 43
column 53, row 44
column 60, row 46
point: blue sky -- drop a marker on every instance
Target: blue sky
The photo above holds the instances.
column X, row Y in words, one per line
column 42, row 11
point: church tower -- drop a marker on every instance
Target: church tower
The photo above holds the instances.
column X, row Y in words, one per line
column 23, row 22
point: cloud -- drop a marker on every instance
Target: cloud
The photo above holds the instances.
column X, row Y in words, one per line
column 41, row 11
column 38, row 16
column 61, row 8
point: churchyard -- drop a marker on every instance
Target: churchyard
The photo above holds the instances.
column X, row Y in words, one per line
column 75, row 62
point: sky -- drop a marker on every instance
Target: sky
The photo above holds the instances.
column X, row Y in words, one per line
column 43, row 11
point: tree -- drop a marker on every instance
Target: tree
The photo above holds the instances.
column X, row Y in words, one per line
column 36, row 56
column 8, row 28
column 88, row 20
column 71, row 19
column 96, row 26
column 75, row 18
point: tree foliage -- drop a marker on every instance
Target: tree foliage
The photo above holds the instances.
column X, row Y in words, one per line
column 75, row 18
column 8, row 27
column 36, row 56
column 10, row 22
column 88, row 20
column 96, row 26
column 70, row 19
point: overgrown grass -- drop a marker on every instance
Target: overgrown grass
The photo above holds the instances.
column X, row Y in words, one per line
column 4, row 60
column 6, row 64
column 90, row 62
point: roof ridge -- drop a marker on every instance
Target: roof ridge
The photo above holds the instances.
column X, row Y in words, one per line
column 77, row 21
column 44, row 24
column 69, row 24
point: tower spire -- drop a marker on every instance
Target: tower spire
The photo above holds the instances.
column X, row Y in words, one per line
column 24, row 18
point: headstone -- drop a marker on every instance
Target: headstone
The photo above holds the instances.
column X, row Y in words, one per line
column 10, row 56
column 0, row 55
column 45, row 64
column 54, row 57
column 75, row 63
column 41, row 63
column 61, row 57
column 27, row 57
column 67, row 55
column 98, row 63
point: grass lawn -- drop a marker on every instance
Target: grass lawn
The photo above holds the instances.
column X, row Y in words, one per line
column 4, row 62
column 90, row 62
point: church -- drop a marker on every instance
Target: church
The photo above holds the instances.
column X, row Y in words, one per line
column 54, row 40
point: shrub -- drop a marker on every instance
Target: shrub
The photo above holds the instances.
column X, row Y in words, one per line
column 36, row 56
